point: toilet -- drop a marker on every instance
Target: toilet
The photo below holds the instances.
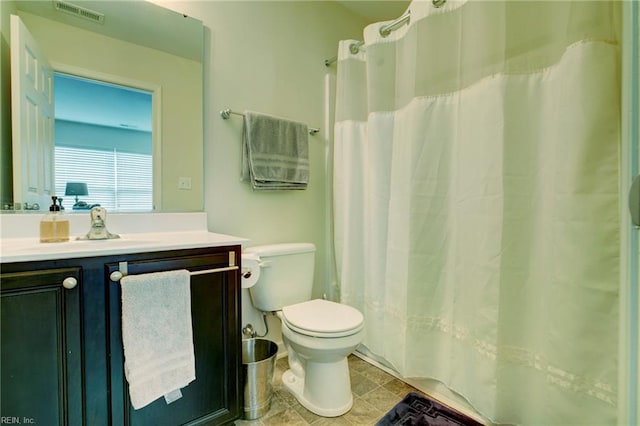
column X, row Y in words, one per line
column 318, row 334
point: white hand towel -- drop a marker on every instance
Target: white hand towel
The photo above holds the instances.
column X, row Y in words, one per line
column 156, row 334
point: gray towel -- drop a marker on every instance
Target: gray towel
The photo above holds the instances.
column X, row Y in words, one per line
column 275, row 152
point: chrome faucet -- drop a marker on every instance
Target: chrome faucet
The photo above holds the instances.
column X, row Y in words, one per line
column 98, row 229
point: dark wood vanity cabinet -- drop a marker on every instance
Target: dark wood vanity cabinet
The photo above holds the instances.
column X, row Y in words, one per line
column 213, row 397
column 62, row 357
column 41, row 349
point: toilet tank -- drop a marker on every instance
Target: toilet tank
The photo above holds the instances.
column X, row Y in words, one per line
column 286, row 275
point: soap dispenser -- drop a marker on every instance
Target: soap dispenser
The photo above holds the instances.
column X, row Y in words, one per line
column 54, row 227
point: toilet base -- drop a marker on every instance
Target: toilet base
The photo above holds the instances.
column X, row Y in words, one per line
column 331, row 388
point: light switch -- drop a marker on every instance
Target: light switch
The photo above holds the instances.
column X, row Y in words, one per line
column 184, row 183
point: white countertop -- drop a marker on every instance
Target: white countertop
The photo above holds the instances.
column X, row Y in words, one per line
column 139, row 233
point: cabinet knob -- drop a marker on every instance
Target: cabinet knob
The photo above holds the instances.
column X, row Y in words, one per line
column 115, row 276
column 69, row 283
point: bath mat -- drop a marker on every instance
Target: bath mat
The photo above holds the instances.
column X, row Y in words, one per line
column 418, row 410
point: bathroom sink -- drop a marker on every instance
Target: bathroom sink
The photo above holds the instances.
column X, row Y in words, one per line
column 27, row 249
column 20, row 242
column 79, row 245
column 119, row 242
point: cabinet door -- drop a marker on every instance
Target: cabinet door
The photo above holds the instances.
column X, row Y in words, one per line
column 213, row 398
column 40, row 351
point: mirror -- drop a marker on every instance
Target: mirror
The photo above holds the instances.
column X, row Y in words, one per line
column 135, row 44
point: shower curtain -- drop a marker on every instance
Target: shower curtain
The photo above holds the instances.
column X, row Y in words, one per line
column 476, row 202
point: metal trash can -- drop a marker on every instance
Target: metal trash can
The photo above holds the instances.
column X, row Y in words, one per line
column 258, row 369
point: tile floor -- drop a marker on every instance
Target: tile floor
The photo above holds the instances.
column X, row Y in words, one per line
column 374, row 393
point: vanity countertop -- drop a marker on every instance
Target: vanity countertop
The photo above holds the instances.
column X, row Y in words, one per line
column 156, row 233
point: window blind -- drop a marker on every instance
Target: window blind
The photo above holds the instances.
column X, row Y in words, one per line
column 115, row 179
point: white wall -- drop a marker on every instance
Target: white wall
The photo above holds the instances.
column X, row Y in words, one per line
column 267, row 56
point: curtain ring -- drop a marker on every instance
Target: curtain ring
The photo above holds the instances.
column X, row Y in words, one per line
column 438, row 3
column 354, row 48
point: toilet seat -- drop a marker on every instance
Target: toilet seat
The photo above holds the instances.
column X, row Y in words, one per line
column 323, row 318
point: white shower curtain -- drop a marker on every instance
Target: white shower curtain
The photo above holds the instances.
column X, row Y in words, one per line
column 476, row 202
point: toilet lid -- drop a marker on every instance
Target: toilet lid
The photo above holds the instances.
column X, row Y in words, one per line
column 319, row 316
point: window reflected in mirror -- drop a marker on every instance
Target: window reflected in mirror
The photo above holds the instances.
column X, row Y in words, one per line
column 103, row 138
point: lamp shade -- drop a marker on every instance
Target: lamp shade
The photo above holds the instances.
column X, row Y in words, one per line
column 76, row 188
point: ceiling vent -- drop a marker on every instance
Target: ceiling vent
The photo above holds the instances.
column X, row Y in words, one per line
column 80, row 12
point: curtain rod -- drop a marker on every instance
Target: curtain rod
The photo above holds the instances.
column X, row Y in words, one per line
column 226, row 113
column 384, row 31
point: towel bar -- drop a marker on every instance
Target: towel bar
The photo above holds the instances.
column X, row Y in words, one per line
column 117, row 275
column 226, row 113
